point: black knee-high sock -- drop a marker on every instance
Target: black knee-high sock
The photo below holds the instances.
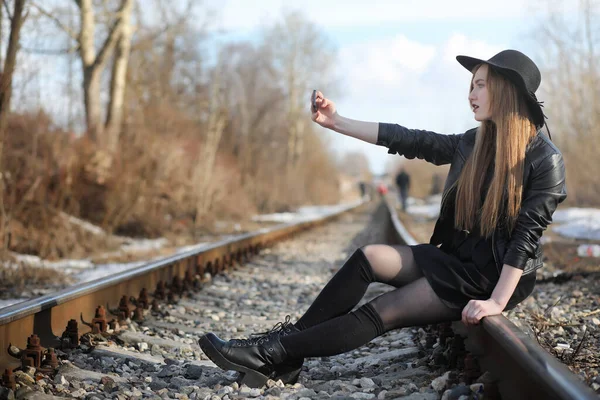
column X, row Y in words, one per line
column 335, row 336
column 341, row 293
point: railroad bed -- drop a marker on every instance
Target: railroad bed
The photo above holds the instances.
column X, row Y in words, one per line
column 159, row 357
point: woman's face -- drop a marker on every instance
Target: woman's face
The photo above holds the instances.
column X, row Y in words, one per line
column 479, row 96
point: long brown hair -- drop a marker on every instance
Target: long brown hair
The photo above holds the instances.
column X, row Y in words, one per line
column 500, row 143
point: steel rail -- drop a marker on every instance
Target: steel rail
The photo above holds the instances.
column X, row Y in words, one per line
column 47, row 316
column 524, row 370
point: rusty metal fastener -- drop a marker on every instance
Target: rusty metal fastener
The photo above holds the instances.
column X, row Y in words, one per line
column 143, row 300
column 188, row 280
column 31, row 356
column 122, row 312
column 50, row 362
column 70, row 337
column 8, row 379
column 176, row 286
column 138, row 314
column 171, row 298
column 99, row 322
column 160, row 293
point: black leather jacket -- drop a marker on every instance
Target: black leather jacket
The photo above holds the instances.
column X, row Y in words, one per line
column 543, row 188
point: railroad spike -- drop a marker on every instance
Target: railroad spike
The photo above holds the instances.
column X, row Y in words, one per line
column 31, row 356
column 50, row 362
column 176, row 285
column 171, row 298
column 159, row 293
column 99, row 323
column 143, row 299
column 123, row 312
column 70, row 335
column 8, row 379
column 138, row 314
column 188, row 281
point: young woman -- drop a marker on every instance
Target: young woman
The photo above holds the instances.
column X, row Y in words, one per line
column 505, row 181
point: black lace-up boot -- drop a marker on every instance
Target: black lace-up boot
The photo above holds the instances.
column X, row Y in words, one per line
column 252, row 358
column 289, row 370
column 256, row 359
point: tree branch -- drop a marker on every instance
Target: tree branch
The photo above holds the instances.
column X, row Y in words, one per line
column 7, row 9
column 32, row 50
column 109, row 43
column 163, row 30
column 73, row 35
column 111, row 38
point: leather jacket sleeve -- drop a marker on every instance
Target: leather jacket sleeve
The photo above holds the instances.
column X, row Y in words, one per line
column 433, row 147
column 543, row 192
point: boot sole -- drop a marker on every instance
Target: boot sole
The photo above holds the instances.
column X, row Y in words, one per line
column 288, row 376
column 249, row 377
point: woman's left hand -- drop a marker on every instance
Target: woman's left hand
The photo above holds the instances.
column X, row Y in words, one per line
column 477, row 309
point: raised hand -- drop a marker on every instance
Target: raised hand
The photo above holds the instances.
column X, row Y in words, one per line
column 325, row 112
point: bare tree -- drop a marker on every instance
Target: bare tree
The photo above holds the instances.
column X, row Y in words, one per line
column 303, row 59
column 214, row 130
column 571, row 93
column 17, row 18
column 10, row 61
column 118, row 82
column 94, row 62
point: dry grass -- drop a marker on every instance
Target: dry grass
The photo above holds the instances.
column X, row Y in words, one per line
column 147, row 189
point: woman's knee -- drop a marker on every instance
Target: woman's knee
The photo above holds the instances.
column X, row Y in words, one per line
column 394, row 265
column 384, row 259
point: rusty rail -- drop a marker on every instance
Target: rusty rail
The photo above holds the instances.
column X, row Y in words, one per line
column 524, row 370
column 52, row 318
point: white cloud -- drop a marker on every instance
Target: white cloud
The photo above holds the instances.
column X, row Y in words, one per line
column 382, row 66
column 414, row 84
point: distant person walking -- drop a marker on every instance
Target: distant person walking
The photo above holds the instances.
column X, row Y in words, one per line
column 403, row 183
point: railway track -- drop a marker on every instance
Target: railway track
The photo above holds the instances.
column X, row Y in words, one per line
column 70, row 345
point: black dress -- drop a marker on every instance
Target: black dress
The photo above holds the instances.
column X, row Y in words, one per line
column 464, row 269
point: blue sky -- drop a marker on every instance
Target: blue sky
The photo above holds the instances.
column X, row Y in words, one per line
column 397, row 58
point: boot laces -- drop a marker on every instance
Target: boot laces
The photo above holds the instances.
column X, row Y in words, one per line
column 259, row 338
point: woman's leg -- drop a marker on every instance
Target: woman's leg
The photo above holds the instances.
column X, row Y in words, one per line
column 325, row 334
column 411, row 305
column 394, row 265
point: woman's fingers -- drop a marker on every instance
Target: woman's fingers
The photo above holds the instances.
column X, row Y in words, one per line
column 318, row 100
column 322, row 102
column 471, row 313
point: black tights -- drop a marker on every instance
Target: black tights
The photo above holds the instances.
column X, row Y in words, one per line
column 328, row 327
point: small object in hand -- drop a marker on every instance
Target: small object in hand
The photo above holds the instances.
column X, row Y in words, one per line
column 313, row 101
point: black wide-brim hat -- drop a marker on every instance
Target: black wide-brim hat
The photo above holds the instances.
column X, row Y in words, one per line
column 520, row 70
